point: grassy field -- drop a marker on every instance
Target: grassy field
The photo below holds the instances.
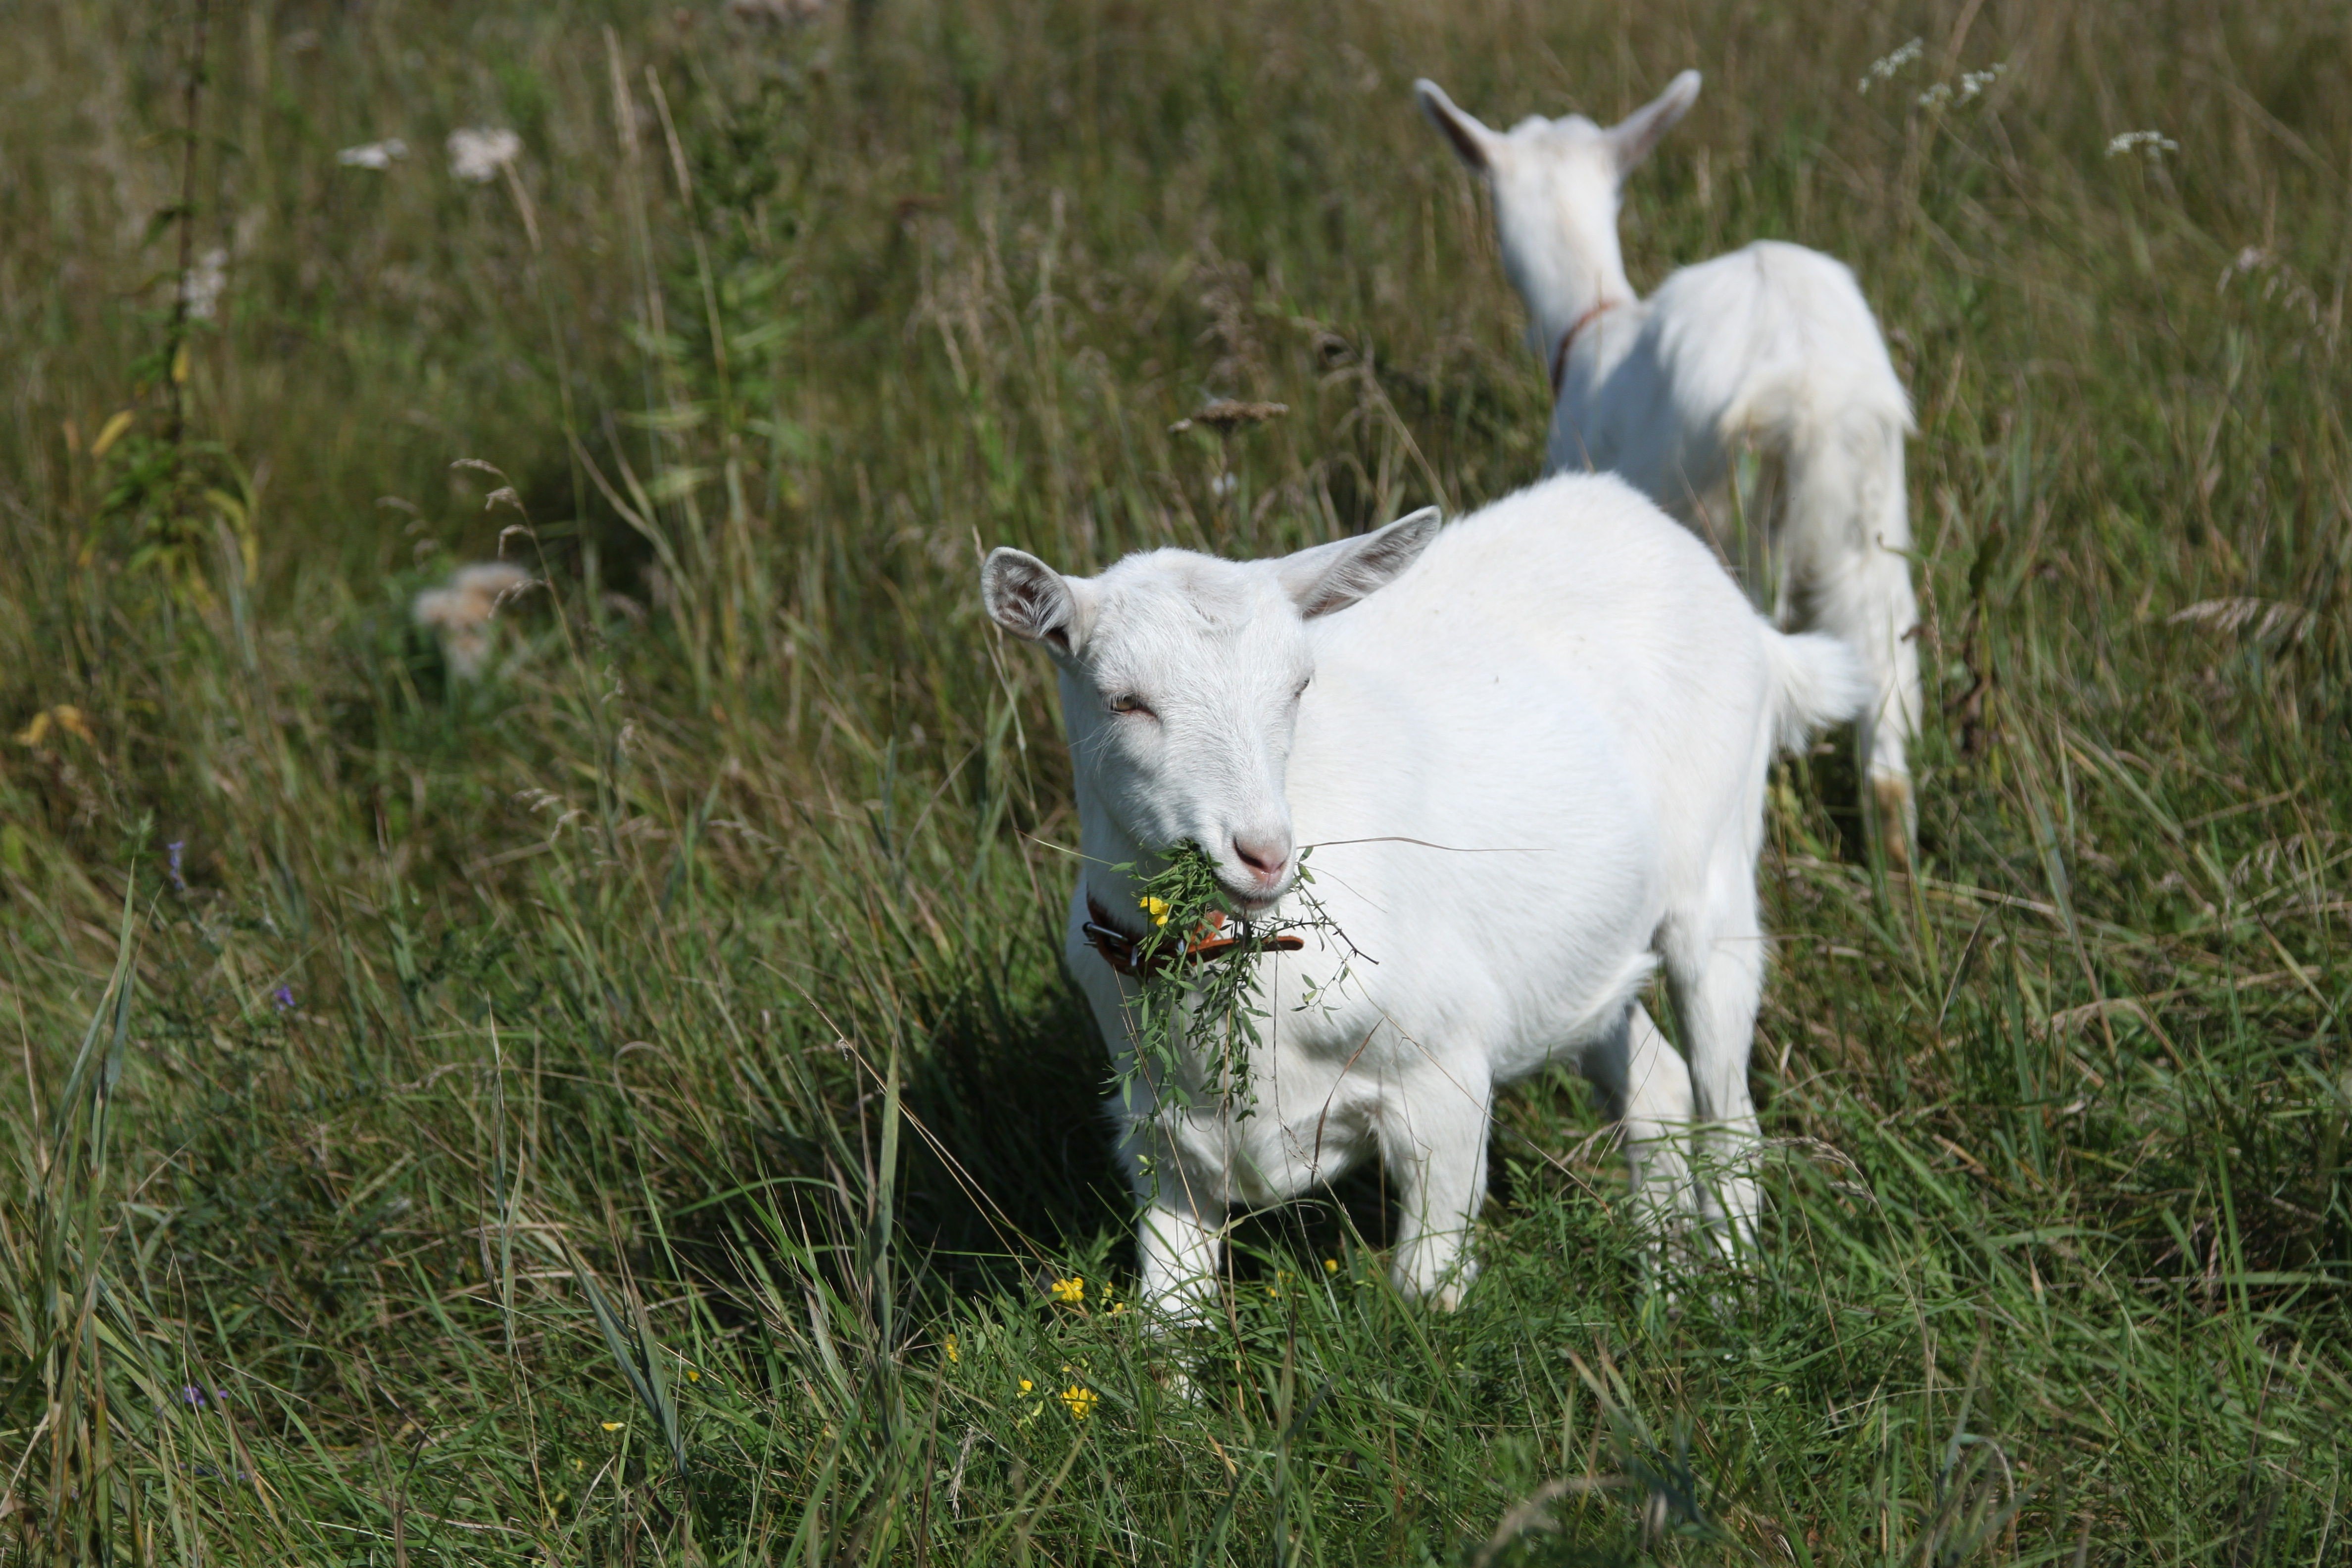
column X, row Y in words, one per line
column 626, row 1107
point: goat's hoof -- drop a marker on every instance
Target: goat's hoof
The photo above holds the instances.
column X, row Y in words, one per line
column 1174, row 1315
column 1441, row 1291
column 1896, row 821
column 1177, row 1384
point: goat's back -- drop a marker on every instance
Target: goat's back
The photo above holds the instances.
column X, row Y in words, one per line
column 1773, row 321
column 1574, row 594
column 1769, row 341
column 1563, row 701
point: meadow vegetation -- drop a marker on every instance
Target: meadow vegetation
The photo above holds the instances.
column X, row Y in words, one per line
column 626, row 1107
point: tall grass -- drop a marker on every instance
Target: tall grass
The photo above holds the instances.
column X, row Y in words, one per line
column 628, row 1107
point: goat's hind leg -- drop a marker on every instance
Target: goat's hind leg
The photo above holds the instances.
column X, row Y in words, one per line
column 1849, row 547
column 1648, row 1086
column 1714, row 969
column 1866, row 600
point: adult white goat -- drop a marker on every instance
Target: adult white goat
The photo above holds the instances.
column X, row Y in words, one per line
column 1537, row 756
column 1770, row 349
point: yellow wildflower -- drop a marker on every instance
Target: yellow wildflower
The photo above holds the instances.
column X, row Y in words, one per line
column 1081, row 1401
column 692, row 1375
column 1330, row 1265
column 1027, row 1385
column 613, row 1426
column 954, row 1353
column 1070, row 1292
column 1158, row 910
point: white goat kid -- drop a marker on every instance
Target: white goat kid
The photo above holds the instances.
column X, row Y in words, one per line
column 1531, row 760
column 1770, row 349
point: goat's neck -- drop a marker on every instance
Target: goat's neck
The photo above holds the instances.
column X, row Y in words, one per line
column 1104, row 849
column 1567, row 277
column 1572, row 303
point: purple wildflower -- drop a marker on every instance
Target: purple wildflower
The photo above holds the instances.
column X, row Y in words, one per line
column 172, row 850
column 284, row 997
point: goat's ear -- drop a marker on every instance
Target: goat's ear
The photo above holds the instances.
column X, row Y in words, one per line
column 1639, row 131
column 1330, row 578
column 1471, row 140
column 1032, row 601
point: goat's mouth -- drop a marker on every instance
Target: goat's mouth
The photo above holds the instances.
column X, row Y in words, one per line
column 1251, row 899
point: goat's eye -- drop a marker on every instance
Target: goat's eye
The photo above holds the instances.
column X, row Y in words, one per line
column 1129, row 702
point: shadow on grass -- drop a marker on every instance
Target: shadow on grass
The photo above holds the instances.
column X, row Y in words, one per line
column 1011, row 1159
column 1828, row 780
column 1024, row 1156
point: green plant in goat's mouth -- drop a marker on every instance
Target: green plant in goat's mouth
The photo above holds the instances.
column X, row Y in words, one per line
column 1197, row 979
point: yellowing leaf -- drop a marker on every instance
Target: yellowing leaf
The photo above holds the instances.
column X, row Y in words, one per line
column 64, row 716
column 234, row 512
column 110, row 432
column 678, row 416
column 675, row 483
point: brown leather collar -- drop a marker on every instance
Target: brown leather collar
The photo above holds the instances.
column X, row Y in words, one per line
column 1567, row 339
column 1210, row 940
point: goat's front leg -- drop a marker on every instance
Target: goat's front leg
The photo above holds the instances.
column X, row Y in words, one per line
column 1179, row 1226
column 1433, row 1142
column 1178, row 1250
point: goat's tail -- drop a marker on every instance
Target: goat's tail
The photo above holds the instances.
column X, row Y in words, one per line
column 1818, row 680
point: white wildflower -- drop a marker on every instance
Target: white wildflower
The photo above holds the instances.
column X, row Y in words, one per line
column 478, row 155
column 374, row 154
column 2155, row 143
column 461, row 613
column 2250, row 260
column 202, row 284
column 1972, row 86
column 1974, row 82
column 1884, row 68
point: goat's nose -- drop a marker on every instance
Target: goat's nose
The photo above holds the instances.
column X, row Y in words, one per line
column 1264, row 855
